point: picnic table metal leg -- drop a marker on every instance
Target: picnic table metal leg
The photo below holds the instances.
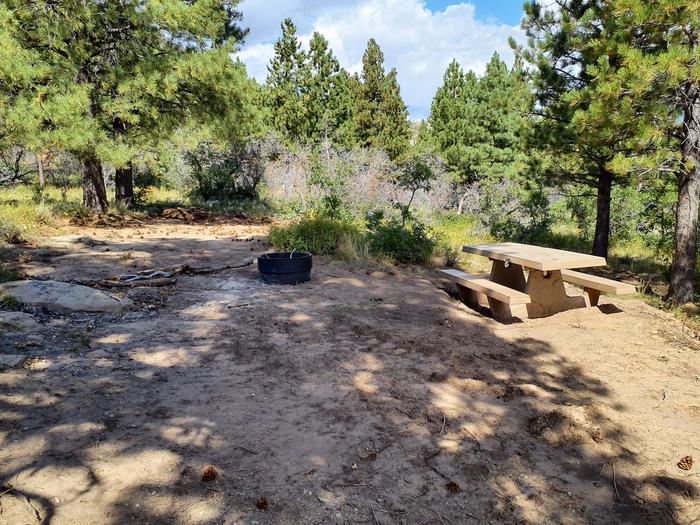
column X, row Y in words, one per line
column 548, row 295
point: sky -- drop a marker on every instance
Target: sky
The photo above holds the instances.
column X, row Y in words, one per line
column 418, row 37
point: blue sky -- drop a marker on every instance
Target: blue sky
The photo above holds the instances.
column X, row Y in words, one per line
column 507, row 11
column 418, row 37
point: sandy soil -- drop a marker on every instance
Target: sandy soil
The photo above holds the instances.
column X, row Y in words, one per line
column 369, row 395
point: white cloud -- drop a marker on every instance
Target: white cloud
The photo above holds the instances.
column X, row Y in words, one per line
column 420, row 43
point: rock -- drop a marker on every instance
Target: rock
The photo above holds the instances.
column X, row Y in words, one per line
column 64, row 297
column 90, row 242
column 98, row 354
column 11, row 360
column 29, row 342
column 18, row 322
column 330, row 498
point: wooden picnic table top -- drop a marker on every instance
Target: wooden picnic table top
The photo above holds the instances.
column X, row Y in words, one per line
column 535, row 257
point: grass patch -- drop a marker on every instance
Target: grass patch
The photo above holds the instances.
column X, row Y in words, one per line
column 452, row 232
column 10, row 232
column 251, row 208
column 316, row 235
column 354, row 247
column 36, row 214
column 8, row 272
column 7, row 302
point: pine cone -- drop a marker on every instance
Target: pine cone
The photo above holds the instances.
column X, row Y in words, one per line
column 210, row 473
column 686, row 463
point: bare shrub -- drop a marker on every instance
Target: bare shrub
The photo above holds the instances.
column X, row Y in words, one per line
column 362, row 179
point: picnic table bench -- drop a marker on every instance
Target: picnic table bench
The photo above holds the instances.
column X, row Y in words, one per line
column 530, row 280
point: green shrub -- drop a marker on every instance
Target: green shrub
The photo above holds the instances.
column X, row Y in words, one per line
column 317, row 235
column 225, row 173
column 8, row 272
column 411, row 242
column 7, row 302
column 521, row 213
column 10, row 232
column 72, row 210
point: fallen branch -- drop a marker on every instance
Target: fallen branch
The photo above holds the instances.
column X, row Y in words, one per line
column 132, row 284
column 161, row 276
column 373, row 455
column 376, row 520
column 614, row 477
column 473, row 437
column 612, row 465
column 9, row 489
column 194, row 270
column 250, row 451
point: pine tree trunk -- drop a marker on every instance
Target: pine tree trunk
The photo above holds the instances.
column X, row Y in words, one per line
column 602, row 219
column 93, row 183
column 685, row 236
column 460, row 206
column 40, row 167
column 124, row 185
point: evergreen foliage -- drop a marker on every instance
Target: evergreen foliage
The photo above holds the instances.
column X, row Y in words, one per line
column 653, row 101
column 602, row 100
column 381, row 116
column 564, row 46
column 479, row 125
column 329, row 99
column 308, row 94
column 286, row 85
column 101, row 79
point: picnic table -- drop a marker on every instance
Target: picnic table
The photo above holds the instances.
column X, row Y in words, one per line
column 530, row 280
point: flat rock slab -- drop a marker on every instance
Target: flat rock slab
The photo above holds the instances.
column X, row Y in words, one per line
column 64, row 297
column 11, row 360
column 18, row 322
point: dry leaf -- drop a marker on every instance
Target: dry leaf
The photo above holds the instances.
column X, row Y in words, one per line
column 453, row 488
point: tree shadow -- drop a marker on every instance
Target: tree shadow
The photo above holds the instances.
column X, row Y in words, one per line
column 361, row 397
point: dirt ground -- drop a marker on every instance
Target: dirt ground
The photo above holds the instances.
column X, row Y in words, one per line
column 369, row 395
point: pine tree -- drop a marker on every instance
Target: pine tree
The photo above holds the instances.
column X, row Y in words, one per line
column 564, row 45
column 370, row 94
column 395, row 131
column 101, row 79
column 381, row 117
column 323, row 70
column 466, row 156
column 447, row 119
column 479, row 125
column 654, row 101
column 343, row 110
column 503, row 110
column 287, row 81
column 328, row 101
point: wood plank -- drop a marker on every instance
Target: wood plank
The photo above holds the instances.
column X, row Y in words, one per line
column 598, row 283
column 482, row 285
column 535, row 257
